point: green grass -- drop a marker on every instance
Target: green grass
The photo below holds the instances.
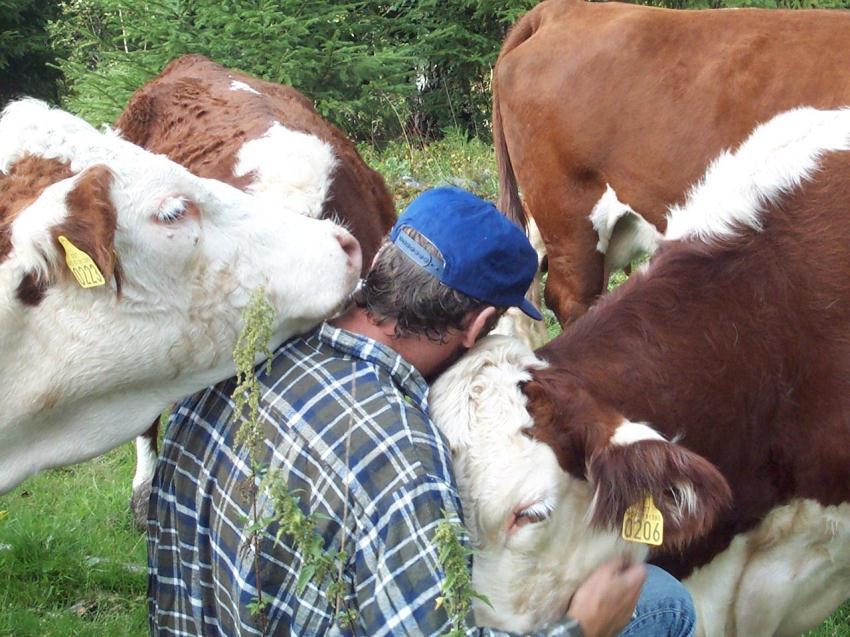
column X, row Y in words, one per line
column 838, row 625
column 71, row 563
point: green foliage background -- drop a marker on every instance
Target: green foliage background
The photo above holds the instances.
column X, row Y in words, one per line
column 374, row 68
column 379, row 69
column 26, row 50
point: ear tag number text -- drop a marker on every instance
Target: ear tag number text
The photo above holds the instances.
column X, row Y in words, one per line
column 81, row 265
column 643, row 523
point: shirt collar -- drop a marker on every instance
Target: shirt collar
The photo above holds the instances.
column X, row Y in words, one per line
column 403, row 374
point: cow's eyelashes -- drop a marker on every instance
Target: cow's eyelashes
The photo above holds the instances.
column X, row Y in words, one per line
column 537, row 512
column 172, row 211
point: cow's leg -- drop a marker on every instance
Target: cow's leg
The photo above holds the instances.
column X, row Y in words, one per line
column 575, row 265
column 146, row 455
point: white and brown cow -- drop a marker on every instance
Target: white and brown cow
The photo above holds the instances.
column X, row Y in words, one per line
column 264, row 138
column 600, row 102
column 87, row 368
column 730, row 350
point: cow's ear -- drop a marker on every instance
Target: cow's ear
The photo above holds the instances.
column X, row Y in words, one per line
column 688, row 490
column 91, row 219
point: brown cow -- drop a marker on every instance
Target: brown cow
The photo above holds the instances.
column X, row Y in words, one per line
column 264, row 138
column 733, row 344
column 591, row 95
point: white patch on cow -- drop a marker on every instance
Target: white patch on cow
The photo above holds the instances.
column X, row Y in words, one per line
column 145, row 461
column 90, row 369
column 30, row 127
column 236, row 85
column 624, row 235
column 782, row 578
column 685, row 498
column 777, row 157
column 528, row 573
column 291, row 170
column 629, row 432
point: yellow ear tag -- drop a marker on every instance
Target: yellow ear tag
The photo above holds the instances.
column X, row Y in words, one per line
column 81, row 265
column 643, row 523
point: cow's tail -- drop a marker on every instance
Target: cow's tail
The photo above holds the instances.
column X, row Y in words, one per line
column 509, row 201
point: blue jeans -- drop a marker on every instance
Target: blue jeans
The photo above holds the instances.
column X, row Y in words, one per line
column 664, row 609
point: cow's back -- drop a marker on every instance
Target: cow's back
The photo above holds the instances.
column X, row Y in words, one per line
column 201, row 115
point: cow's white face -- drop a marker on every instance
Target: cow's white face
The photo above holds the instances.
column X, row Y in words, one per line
column 527, row 518
column 87, row 369
column 205, row 247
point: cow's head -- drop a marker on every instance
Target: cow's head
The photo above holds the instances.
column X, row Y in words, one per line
column 190, row 244
column 180, row 257
column 545, row 476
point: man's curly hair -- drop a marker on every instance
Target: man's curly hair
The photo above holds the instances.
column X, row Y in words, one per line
column 397, row 288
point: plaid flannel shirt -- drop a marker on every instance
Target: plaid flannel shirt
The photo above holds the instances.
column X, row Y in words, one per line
column 346, row 425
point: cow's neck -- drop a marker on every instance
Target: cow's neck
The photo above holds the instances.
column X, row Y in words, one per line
column 672, row 354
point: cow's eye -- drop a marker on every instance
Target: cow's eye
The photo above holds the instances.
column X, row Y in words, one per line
column 538, row 512
column 172, row 210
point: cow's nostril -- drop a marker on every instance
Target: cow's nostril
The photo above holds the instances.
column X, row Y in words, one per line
column 351, row 247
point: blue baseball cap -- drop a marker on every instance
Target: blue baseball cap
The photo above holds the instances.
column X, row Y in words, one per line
column 484, row 254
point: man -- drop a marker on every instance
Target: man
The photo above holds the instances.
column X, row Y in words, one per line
column 346, row 427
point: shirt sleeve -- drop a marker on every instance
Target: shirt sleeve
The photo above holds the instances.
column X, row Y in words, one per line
column 397, row 573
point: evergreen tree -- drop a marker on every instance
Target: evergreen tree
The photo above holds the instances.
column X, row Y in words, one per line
column 25, row 51
column 372, row 67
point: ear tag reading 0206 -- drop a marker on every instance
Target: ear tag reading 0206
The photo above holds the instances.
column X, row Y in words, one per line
column 643, row 523
column 81, row 265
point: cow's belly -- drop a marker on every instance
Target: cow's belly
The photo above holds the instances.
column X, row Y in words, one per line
column 782, row 578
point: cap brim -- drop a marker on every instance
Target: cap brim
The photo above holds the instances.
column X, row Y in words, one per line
column 528, row 307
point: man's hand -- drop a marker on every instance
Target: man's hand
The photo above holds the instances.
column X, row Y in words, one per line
column 604, row 603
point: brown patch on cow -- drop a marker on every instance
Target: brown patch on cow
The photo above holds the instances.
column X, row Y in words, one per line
column 189, row 113
column 20, row 187
column 31, row 289
column 136, row 120
column 572, row 428
column 48, row 400
column 578, row 429
column 91, row 221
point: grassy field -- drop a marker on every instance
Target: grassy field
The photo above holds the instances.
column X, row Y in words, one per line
column 71, row 563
